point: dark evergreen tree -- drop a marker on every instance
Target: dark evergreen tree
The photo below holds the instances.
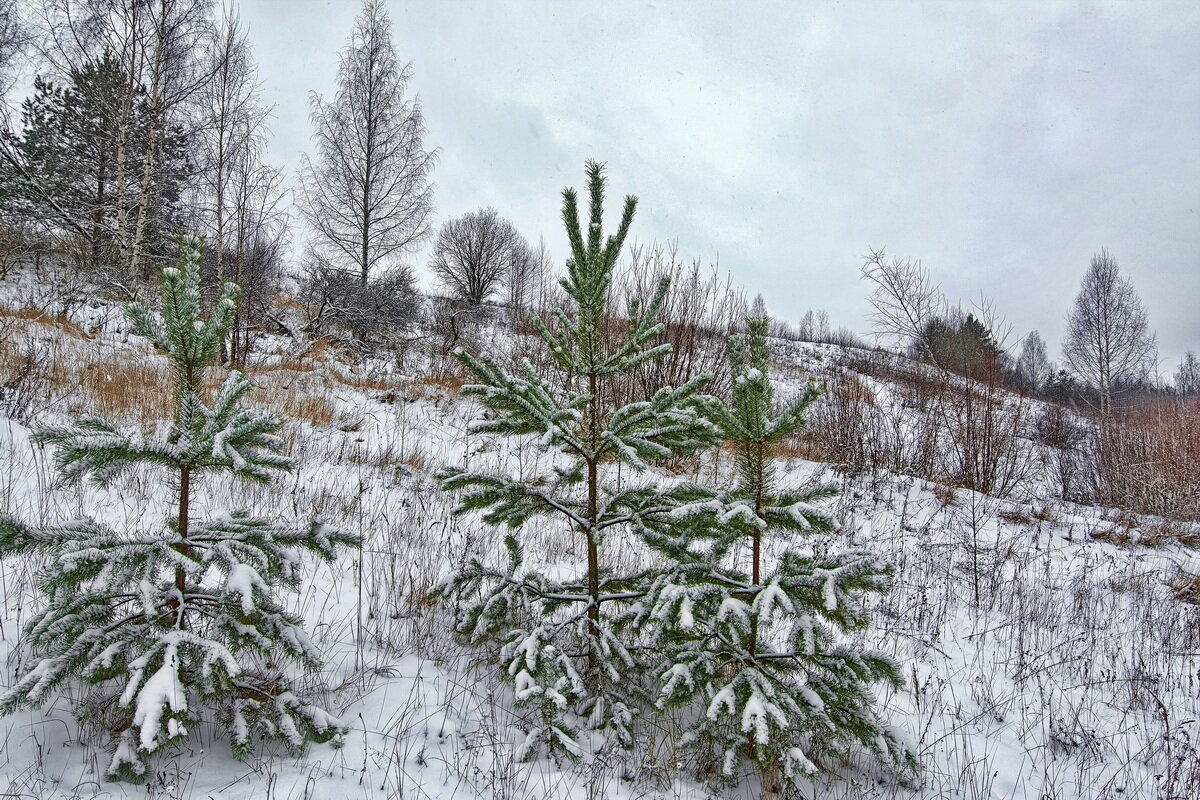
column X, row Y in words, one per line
column 186, row 617
column 62, row 169
column 963, row 345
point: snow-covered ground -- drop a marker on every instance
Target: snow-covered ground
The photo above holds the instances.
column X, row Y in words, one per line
column 1040, row 662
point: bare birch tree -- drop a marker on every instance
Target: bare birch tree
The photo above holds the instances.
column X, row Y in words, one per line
column 367, row 192
column 1108, row 338
column 905, row 300
column 1033, row 367
column 526, row 279
column 234, row 124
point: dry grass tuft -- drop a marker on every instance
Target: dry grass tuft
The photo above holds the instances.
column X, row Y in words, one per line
column 1015, row 517
column 946, row 495
column 41, row 317
column 390, row 457
column 1185, row 587
column 313, row 409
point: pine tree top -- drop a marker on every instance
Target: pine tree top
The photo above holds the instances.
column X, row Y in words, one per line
column 220, row 435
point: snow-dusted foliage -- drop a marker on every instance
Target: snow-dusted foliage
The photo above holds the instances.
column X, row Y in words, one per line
column 762, row 650
column 185, row 618
column 566, row 644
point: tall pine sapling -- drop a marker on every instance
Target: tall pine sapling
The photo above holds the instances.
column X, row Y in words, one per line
column 759, row 645
column 564, row 643
column 187, row 617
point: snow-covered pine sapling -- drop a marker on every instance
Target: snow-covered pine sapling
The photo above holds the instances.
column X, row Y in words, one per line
column 562, row 642
column 185, row 618
column 758, row 642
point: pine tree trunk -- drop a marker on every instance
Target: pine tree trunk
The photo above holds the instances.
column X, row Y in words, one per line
column 593, row 549
column 185, row 481
column 756, row 537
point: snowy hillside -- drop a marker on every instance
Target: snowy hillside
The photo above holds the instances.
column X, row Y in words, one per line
column 1049, row 650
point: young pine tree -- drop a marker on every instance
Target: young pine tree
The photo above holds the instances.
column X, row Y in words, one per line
column 187, row 617
column 759, row 645
column 564, row 642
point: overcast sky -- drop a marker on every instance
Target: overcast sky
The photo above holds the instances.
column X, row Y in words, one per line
column 1002, row 144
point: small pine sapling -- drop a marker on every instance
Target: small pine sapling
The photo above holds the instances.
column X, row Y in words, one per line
column 187, row 617
column 563, row 643
column 760, row 646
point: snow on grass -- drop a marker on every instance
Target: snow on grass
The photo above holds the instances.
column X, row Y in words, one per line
column 1038, row 660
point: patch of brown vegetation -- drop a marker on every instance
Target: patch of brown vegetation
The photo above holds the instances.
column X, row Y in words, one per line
column 946, row 495
column 42, row 317
column 390, row 457
column 1044, row 514
column 313, row 409
column 1185, row 587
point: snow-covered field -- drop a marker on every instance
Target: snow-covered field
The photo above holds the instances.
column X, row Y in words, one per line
column 1040, row 662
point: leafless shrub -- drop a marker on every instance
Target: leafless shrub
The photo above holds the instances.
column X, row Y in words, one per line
column 842, row 428
column 985, row 451
column 701, row 309
column 374, row 313
column 19, row 241
column 1063, row 437
column 1148, row 458
column 23, row 375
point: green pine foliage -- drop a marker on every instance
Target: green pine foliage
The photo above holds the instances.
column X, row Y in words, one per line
column 754, row 646
column 566, row 644
column 757, row 646
column 188, row 617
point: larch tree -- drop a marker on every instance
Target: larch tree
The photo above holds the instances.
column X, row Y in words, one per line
column 187, row 617
column 367, row 193
column 1108, row 340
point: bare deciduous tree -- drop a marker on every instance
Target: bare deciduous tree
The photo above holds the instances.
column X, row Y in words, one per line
column 367, row 194
column 982, row 449
column 526, row 279
column 1033, row 367
column 14, row 36
column 904, row 298
column 478, row 252
column 1187, row 377
column 234, row 122
column 1108, row 337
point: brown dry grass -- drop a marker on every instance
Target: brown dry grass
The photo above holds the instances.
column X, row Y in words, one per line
column 1185, row 587
column 389, row 457
column 42, row 317
column 314, row 409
